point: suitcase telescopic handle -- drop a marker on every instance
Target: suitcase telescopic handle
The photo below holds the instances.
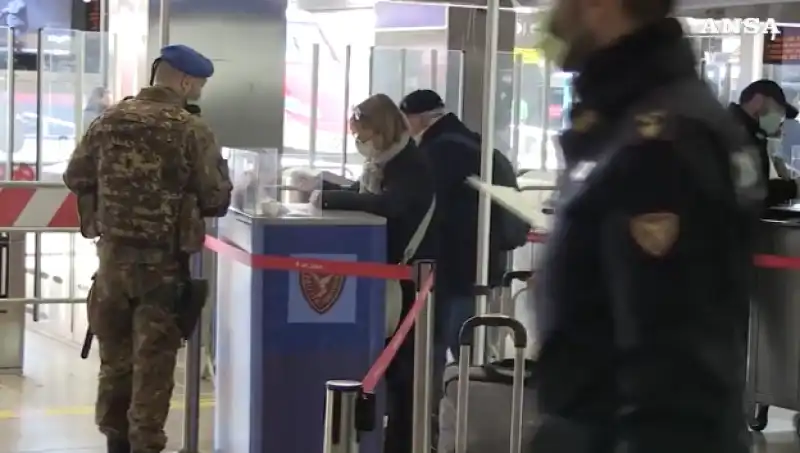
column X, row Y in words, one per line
column 510, row 276
column 519, row 334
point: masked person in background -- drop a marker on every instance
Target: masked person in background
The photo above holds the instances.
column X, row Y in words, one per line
column 761, row 109
column 396, row 183
column 155, row 171
column 643, row 292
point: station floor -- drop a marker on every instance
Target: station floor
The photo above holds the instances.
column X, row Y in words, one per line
column 50, row 409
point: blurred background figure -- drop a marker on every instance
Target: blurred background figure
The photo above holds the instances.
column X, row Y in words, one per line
column 761, row 109
column 99, row 100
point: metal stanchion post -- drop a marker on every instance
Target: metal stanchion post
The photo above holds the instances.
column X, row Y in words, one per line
column 313, row 123
column 40, row 131
column 11, row 78
column 487, row 153
column 163, row 23
column 348, row 56
column 341, row 398
column 423, row 365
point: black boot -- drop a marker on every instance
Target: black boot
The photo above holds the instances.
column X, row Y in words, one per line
column 119, row 446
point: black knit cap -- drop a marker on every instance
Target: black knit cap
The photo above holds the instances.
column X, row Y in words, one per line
column 421, row 101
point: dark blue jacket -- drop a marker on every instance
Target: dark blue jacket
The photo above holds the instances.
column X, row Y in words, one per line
column 457, row 216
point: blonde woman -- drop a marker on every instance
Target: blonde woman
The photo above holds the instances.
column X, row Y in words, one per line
column 397, row 183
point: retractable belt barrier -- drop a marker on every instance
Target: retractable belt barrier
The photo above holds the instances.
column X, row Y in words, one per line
column 760, row 259
column 274, row 262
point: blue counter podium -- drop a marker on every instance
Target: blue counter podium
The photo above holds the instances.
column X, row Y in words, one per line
column 281, row 335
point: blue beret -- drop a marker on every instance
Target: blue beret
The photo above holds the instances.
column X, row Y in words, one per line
column 188, row 61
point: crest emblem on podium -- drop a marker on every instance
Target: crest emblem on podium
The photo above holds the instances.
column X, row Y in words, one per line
column 321, row 291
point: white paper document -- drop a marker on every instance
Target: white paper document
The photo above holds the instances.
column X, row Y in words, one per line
column 526, row 205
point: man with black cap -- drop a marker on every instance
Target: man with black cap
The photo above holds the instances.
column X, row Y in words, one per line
column 643, row 297
column 457, row 216
column 146, row 174
column 761, row 109
column 455, row 151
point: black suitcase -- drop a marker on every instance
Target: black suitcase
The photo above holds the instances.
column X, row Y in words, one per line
column 490, row 422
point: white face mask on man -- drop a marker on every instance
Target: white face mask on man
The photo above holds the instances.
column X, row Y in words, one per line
column 770, row 123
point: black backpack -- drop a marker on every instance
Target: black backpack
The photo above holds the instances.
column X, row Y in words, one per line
column 508, row 232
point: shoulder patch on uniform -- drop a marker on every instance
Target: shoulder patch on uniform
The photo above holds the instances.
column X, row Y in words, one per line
column 655, row 233
column 651, row 124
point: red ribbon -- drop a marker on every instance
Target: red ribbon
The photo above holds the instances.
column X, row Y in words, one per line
column 776, row 262
column 289, row 263
column 378, row 369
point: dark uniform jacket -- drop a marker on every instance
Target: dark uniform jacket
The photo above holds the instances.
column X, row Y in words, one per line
column 457, row 213
column 407, row 191
column 778, row 190
column 643, row 295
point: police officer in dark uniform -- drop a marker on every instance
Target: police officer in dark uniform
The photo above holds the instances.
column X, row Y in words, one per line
column 642, row 296
column 761, row 109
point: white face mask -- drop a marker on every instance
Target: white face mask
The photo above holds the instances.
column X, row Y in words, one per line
column 366, row 149
column 770, row 122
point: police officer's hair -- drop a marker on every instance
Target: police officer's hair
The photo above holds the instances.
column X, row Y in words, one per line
column 380, row 115
column 648, row 10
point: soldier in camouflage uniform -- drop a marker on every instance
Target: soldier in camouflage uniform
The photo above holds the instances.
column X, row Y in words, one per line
column 147, row 172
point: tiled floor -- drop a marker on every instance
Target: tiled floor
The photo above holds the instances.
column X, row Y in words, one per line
column 50, row 409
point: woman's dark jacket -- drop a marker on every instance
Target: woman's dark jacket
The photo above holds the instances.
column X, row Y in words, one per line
column 407, row 191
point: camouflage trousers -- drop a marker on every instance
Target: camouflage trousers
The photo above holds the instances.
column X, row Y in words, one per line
column 131, row 314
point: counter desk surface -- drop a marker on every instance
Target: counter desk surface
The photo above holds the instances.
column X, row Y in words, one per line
column 305, row 214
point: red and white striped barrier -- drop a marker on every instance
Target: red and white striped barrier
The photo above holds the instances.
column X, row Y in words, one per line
column 37, row 206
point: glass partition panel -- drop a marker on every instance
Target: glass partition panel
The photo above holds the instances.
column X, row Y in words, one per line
column 10, row 144
column 504, row 104
column 544, row 99
column 324, row 82
column 70, row 97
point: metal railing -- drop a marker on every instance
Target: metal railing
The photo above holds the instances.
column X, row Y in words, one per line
column 194, row 362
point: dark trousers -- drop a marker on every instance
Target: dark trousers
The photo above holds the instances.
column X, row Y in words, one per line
column 399, row 388
column 450, row 314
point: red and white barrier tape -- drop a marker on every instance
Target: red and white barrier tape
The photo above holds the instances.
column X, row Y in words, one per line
column 383, row 361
